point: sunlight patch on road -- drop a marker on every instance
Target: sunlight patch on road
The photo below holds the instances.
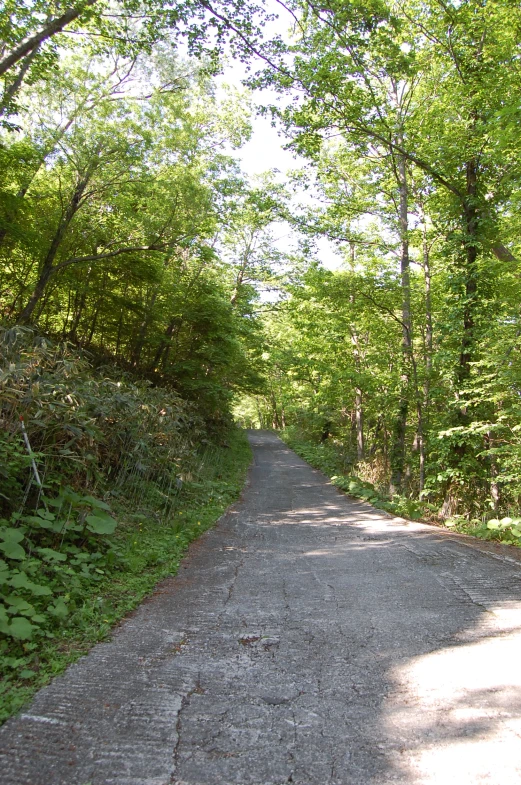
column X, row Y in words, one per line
column 469, row 698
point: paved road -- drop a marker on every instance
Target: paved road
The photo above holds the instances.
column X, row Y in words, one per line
column 308, row 639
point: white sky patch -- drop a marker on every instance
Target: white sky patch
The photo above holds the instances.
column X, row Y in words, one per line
column 265, row 152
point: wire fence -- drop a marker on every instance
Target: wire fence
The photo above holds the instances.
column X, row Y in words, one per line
column 159, row 491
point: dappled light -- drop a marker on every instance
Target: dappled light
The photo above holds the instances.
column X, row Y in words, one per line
column 309, row 638
column 459, row 707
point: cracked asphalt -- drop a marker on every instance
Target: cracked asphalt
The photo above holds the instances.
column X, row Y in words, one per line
column 307, row 639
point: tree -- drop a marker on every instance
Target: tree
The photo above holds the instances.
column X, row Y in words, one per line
column 410, row 87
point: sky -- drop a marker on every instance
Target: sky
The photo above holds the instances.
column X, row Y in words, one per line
column 265, row 151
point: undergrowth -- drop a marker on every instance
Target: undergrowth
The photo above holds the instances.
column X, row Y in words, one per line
column 325, row 457
column 97, row 591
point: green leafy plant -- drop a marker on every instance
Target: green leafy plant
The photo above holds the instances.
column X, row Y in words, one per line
column 327, row 457
column 48, row 557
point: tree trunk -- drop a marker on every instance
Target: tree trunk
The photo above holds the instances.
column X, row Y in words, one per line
column 259, row 413
column 471, row 283
column 47, row 269
column 397, row 453
column 240, row 275
column 143, row 328
column 359, row 418
column 495, row 495
column 79, row 308
column 424, row 410
column 165, row 342
column 14, row 86
column 467, row 346
column 92, row 329
column 359, row 414
column 52, row 27
column 275, row 414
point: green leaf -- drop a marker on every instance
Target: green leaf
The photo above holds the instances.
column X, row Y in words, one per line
column 59, row 502
column 48, row 554
column 12, row 550
column 45, row 514
column 43, row 523
column 96, row 503
column 40, row 591
column 21, row 581
column 11, row 535
column 59, row 609
column 19, row 604
column 71, row 497
column 98, row 525
column 36, row 520
column 21, row 628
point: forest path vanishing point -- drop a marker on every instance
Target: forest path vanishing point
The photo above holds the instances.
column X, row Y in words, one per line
column 307, row 639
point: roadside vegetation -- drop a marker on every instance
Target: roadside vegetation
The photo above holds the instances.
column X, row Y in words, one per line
column 92, row 584
column 116, row 479
column 406, row 360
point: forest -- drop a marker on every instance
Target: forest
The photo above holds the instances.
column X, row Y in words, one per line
column 145, row 303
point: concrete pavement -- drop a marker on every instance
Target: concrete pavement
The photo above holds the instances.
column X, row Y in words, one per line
column 307, row 639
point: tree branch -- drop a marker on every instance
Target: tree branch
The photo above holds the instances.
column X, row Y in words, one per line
column 56, row 25
column 108, row 255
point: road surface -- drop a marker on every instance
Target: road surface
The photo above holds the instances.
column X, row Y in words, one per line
column 307, row 639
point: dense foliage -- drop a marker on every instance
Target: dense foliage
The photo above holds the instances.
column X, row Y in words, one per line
column 407, row 358
column 75, row 443
column 104, row 480
column 112, row 202
column 129, row 250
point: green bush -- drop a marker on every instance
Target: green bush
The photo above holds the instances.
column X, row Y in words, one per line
column 328, row 458
column 507, row 529
column 117, row 477
column 82, row 423
column 49, row 558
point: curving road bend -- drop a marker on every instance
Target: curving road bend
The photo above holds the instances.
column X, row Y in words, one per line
column 307, row 639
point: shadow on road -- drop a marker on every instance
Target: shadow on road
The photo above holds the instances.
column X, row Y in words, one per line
column 429, row 688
